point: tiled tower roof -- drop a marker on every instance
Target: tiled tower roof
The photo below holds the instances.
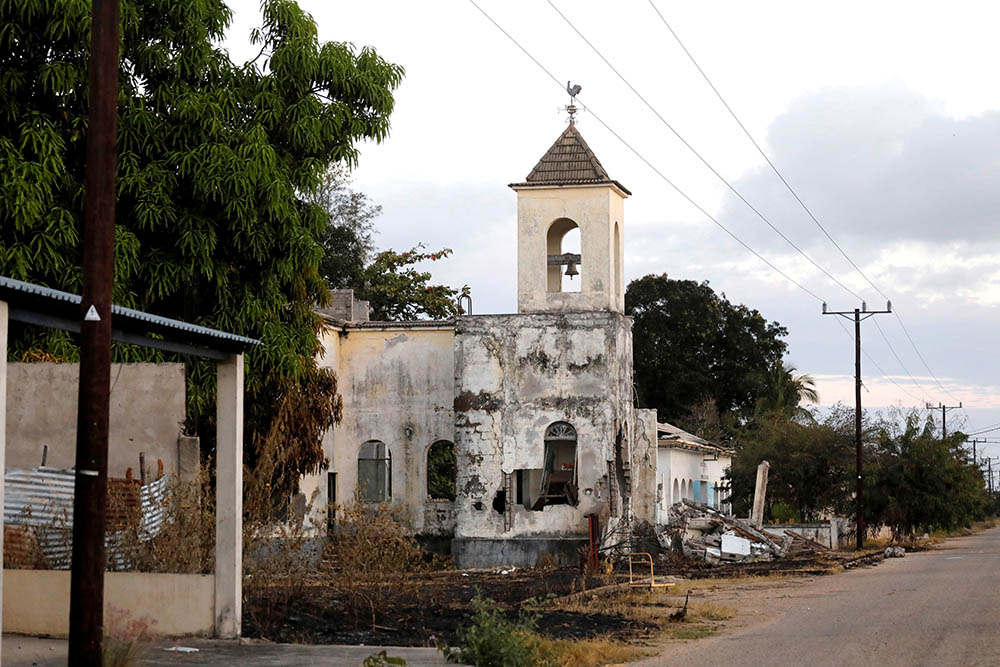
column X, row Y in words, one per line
column 569, row 162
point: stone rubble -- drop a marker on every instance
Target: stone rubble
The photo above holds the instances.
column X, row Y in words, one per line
column 704, row 533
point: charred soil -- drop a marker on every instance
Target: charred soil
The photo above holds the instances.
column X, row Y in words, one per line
column 436, row 607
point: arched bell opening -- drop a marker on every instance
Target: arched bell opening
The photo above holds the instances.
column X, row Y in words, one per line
column 563, row 245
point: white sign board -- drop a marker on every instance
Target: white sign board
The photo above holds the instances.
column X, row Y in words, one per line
column 733, row 544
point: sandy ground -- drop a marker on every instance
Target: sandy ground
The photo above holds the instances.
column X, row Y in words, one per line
column 939, row 607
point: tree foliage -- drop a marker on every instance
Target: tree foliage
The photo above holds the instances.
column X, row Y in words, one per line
column 397, row 290
column 915, row 481
column 390, row 281
column 213, row 158
column 811, row 470
column 691, row 345
column 347, row 241
column 784, row 391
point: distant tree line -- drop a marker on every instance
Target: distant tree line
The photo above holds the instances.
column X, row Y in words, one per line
column 717, row 369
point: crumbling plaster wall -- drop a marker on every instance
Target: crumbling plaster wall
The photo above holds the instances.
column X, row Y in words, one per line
column 397, row 384
column 644, row 463
column 514, row 376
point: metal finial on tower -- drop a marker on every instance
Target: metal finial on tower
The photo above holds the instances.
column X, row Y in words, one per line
column 573, row 92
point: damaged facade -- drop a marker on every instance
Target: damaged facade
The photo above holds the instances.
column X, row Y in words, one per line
column 537, row 406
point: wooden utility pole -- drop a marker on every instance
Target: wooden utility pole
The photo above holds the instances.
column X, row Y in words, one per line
column 858, row 315
column 86, row 607
column 944, row 416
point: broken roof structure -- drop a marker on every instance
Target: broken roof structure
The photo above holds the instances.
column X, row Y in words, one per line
column 674, row 436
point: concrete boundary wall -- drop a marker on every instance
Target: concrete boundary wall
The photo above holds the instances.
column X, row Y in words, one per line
column 36, row 602
column 828, row 533
column 146, row 413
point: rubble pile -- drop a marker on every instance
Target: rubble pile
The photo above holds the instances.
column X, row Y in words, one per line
column 704, row 533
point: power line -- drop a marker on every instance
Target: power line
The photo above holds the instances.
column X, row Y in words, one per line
column 876, row 365
column 986, row 430
column 798, row 199
column 701, row 158
column 677, row 189
column 761, row 151
column 639, row 155
column 900, row 361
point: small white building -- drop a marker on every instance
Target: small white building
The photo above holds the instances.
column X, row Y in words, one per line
column 691, row 468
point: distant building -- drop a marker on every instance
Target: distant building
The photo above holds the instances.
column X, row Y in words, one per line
column 689, row 467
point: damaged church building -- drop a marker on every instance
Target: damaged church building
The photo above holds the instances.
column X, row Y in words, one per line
column 532, row 414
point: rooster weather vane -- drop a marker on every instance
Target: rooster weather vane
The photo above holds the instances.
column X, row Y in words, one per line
column 573, row 92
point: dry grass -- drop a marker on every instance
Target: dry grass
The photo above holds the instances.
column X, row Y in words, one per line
column 590, row 652
column 712, row 612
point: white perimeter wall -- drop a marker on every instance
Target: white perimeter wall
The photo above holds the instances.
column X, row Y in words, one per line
column 36, row 602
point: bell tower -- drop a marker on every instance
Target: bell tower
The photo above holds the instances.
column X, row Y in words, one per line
column 570, row 232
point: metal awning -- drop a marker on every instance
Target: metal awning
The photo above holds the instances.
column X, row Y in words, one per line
column 47, row 307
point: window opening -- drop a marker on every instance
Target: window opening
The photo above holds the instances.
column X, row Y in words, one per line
column 563, row 245
column 374, row 472
column 441, row 471
column 559, row 481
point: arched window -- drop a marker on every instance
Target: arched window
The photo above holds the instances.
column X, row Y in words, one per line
column 676, row 495
column 563, row 245
column 374, row 472
column 558, row 483
column 441, row 470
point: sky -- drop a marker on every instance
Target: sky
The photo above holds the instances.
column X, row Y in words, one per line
column 884, row 118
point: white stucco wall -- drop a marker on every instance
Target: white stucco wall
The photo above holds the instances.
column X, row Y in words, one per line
column 596, row 210
column 686, row 473
column 397, row 385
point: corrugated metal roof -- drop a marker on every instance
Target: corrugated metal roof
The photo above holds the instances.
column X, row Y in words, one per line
column 11, row 289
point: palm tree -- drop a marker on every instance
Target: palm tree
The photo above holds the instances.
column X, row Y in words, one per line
column 784, row 391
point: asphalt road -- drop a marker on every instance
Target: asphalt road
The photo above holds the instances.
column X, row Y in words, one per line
column 939, row 607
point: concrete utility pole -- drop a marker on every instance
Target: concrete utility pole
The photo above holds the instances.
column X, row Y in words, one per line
column 86, row 607
column 759, row 495
column 856, row 315
column 944, row 416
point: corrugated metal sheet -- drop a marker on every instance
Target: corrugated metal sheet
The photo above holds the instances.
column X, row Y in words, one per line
column 127, row 313
column 43, row 499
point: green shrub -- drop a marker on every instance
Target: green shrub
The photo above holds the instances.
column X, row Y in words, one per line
column 494, row 640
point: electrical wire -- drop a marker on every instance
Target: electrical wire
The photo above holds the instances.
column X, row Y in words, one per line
column 986, row 430
column 876, row 364
column 698, row 155
column 801, row 203
column 898, row 360
column 659, row 173
column 678, row 190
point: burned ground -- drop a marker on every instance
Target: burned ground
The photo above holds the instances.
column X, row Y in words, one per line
column 437, row 606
